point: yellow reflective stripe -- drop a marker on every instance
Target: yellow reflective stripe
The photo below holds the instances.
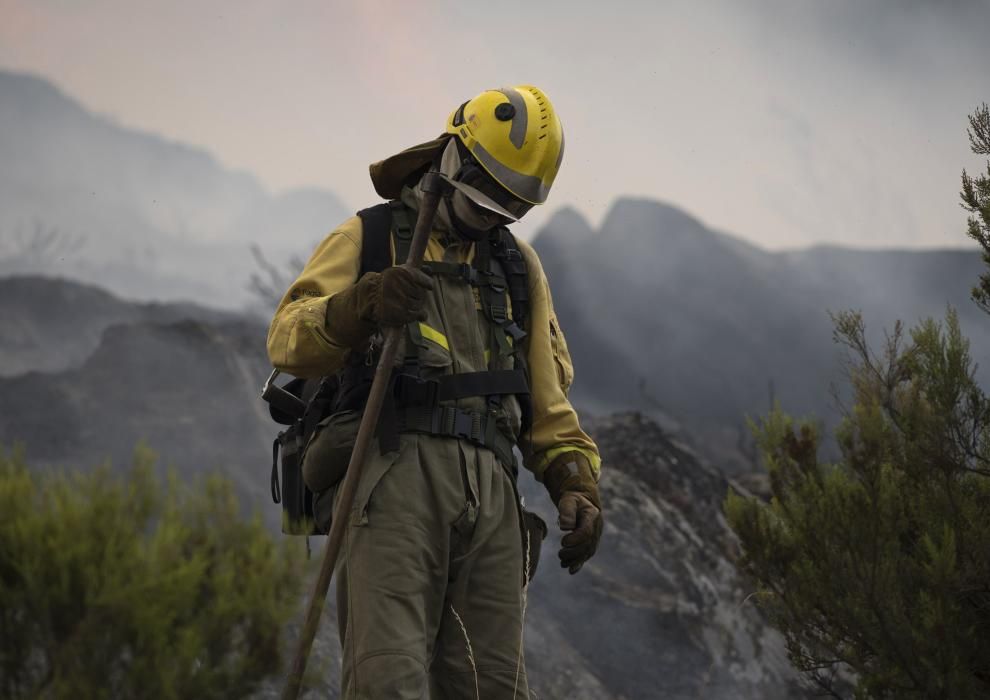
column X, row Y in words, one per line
column 434, row 335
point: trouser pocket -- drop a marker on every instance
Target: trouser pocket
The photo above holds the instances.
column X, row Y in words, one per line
column 461, row 533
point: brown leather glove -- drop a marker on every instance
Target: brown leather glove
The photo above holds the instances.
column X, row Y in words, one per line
column 574, row 491
column 393, row 297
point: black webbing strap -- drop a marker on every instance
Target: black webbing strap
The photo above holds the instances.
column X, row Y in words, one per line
column 387, row 430
column 525, row 400
column 461, row 271
column 410, row 389
column 403, row 230
column 506, row 251
column 491, row 291
column 447, row 421
column 464, row 384
column 376, row 226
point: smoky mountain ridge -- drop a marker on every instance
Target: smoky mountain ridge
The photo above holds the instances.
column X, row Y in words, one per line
column 148, row 218
column 665, row 315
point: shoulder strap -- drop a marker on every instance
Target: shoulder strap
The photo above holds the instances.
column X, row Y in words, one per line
column 505, row 249
column 401, row 230
column 382, row 224
column 376, row 225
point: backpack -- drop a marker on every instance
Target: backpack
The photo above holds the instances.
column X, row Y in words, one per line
column 301, row 404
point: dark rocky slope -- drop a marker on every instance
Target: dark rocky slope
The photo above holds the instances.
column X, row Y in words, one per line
column 51, row 324
column 659, row 612
column 189, row 389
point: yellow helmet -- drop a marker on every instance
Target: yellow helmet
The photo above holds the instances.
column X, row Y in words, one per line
column 515, row 135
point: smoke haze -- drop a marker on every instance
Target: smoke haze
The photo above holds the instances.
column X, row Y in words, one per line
column 787, row 123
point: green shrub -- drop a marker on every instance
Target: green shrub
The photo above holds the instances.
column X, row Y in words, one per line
column 880, row 563
column 122, row 587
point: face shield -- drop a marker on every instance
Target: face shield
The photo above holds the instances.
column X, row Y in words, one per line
column 459, row 168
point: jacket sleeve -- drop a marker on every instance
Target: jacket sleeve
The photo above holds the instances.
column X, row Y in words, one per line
column 556, row 429
column 298, row 342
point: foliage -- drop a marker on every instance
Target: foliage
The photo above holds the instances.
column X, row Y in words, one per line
column 113, row 586
column 880, row 563
column 975, row 196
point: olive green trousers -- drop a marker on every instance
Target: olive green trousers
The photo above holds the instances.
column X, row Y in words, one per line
column 429, row 585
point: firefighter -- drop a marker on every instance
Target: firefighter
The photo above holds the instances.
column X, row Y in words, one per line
column 431, row 584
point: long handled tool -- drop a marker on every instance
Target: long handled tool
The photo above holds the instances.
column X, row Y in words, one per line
column 432, row 186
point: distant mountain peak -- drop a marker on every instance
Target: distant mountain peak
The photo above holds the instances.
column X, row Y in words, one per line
column 33, row 86
column 569, row 219
column 30, row 97
column 636, row 212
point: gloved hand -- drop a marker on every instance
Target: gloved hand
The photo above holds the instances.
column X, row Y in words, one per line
column 393, row 297
column 402, row 296
column 574, row 491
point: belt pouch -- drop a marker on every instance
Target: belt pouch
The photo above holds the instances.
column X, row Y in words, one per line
column 328, row 451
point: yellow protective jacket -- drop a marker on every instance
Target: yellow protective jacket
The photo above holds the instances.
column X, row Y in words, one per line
column 299, row 344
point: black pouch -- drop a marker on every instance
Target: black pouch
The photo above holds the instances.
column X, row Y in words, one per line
column 290, row 491
column 534, row 532
column 328, row 451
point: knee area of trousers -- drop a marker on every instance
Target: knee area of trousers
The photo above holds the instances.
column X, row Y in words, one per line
column 388, row 674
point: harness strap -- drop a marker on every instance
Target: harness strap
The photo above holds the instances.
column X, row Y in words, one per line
column 498, row 267
column 461, row 271
column 466, row 273
column 388, row 426
column 476, row 427
column 506, row 251
column 492, row 296
column 410, row 389
column 387, row 430
column 504, row 381
column 376, row 224
column 403, row 230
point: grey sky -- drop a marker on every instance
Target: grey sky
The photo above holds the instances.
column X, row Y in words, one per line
column 786, row 122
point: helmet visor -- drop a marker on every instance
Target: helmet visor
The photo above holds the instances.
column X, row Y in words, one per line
column 483, row 190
